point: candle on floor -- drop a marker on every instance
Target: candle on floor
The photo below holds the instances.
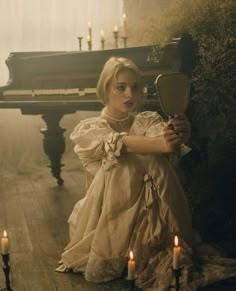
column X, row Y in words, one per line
column 176, row 254
column 131, row 266
column 5, row 243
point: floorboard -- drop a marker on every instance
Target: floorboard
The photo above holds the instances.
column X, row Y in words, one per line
column 34, row 210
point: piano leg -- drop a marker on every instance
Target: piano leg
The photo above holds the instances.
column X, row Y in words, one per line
column 54, row 142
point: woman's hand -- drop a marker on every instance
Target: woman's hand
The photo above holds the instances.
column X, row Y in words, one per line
column 181, row 127
column 172, row 140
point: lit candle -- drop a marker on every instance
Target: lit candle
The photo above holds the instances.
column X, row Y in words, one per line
column 131, row 266
column 89, row 42
column 5, row 244
column 115, row 28
column 124, row 25
column 176, row 254
column 102, row 35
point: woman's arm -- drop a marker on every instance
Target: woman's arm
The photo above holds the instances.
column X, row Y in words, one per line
column 176, row 132
column 166, row 143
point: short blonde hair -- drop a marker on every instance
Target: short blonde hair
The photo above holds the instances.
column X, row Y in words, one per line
column 111, row 69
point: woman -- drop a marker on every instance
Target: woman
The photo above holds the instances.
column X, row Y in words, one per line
column 134, row 199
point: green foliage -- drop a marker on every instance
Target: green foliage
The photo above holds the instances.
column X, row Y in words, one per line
column 210, row 168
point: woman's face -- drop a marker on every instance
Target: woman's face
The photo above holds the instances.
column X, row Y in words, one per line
column 124, row 93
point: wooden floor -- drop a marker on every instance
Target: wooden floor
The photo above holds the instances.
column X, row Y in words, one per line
column 34, row 210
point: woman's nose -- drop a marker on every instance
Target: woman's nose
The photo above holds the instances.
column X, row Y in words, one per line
column 128, row 92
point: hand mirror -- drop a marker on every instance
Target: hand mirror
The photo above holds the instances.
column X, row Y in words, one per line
column 174, row 90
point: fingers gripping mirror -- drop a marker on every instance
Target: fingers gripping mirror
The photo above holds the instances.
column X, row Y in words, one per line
column 173, row 90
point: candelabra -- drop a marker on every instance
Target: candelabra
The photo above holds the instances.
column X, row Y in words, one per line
column 125, row 38
column 6, row 270
column 80, row 42
column 116, row 38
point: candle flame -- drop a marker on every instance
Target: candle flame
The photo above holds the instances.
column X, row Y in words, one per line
column 124, row 16
column 131, row 255
column 116, row 28
column 5, row 233
column 176, row 241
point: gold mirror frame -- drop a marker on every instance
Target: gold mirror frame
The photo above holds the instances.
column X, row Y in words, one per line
column 174, row 91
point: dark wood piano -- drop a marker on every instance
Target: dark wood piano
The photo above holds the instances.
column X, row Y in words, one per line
column 52, row 84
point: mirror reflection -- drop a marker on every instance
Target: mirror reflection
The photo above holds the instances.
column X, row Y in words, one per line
column 173, row 90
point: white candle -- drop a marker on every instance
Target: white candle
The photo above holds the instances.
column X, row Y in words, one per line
column 5, row 243
column 124, row 25
column 131, row 266
column 88, row 38
column 176, row 254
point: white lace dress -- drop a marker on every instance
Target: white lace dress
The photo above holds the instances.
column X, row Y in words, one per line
column 135, row 202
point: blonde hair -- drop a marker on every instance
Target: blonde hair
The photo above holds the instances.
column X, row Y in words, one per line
column 111, row 69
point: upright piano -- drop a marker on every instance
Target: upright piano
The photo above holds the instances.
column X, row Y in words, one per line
column 52, row 84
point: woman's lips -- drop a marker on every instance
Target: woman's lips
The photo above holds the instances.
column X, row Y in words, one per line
column 129, row 103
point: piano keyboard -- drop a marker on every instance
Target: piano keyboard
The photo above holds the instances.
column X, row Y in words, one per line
column 51, row 94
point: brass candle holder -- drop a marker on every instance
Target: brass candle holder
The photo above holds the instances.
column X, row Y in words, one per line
column 103, row 43
column 89, row 45
column 80, row 42
column 6, row 270
column 116, row 32
column 177, row 275
column 131, row 285
column 125, row 39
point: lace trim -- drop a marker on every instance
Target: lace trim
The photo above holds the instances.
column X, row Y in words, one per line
column 103, row 270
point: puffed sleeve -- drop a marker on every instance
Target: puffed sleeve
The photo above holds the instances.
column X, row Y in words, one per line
column 96, row 141
column 149, row 123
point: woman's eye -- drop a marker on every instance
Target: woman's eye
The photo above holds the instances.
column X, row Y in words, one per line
column 135, row 88
column 121, row 87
